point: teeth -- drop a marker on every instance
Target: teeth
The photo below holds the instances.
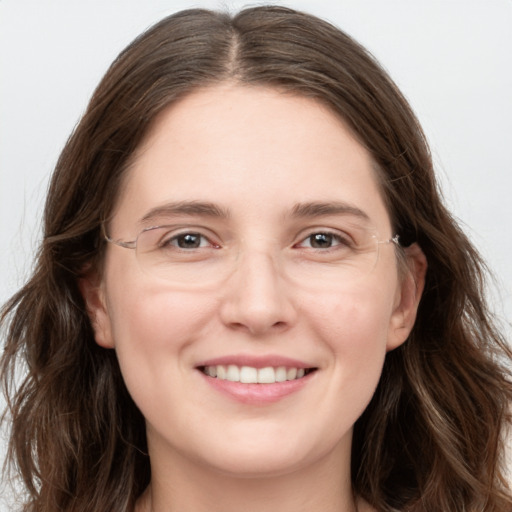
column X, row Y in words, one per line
column 233, row 373
column 250, row 375
column 266, row 375
column 280, row 374
column 221, row 372
column 291, row 374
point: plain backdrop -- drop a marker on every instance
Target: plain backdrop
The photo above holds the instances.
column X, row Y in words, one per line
column 451, row 58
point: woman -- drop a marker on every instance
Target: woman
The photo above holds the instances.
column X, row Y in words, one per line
column 231, row 308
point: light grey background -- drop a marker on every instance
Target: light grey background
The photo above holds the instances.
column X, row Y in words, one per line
column 451, row 58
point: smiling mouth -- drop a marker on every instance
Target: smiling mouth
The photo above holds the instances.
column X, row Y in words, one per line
column 251, row 375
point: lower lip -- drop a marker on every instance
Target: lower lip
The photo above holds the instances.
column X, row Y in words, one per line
column 257, row 394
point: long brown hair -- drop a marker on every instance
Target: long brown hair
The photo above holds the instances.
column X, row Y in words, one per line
column 432, row 437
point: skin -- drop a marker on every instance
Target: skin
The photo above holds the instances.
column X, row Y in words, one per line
column 256, row 153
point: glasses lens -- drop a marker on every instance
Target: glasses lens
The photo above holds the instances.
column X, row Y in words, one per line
column 332, row 258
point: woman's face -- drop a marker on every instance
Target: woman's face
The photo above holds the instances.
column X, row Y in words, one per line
column 260, row 190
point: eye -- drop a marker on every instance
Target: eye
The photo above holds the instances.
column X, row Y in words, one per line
column 323, row 240
column 188, row 241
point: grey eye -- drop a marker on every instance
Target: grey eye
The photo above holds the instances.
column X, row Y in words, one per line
column 188, row 241
column 321, row 240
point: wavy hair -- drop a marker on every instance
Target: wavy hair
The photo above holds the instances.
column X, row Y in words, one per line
column 432, row 438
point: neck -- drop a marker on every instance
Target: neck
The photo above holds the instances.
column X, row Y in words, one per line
column 188, row 487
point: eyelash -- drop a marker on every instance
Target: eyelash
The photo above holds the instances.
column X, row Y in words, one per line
column 170, row 241
column 335, row 237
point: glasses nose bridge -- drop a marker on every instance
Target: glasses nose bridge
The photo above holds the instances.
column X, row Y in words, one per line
column 256, row 296
column 258, row 260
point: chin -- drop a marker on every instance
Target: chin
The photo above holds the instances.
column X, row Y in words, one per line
column 264, row 465
column 271, row 456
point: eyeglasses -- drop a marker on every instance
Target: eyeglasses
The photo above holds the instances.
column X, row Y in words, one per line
column 181, row 255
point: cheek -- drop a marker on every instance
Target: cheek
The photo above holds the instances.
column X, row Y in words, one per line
column 156, row 318
column 353, row 320
column 354, row 326
column 146, row 317
column 152, row 330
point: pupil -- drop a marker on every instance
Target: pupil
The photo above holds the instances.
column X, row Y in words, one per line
column 189, row 241
column 321, row 240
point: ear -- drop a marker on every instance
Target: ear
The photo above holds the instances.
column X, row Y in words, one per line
column 92, row 289
column 408, row 296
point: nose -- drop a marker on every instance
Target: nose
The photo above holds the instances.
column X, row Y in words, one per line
column 256, row 298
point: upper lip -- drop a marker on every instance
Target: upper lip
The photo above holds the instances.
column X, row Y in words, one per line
column 256, row 361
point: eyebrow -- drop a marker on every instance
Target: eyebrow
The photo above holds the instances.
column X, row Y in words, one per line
column 205, row 209
column 320, row 209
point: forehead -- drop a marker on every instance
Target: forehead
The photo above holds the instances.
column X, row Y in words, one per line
column 250, row 150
